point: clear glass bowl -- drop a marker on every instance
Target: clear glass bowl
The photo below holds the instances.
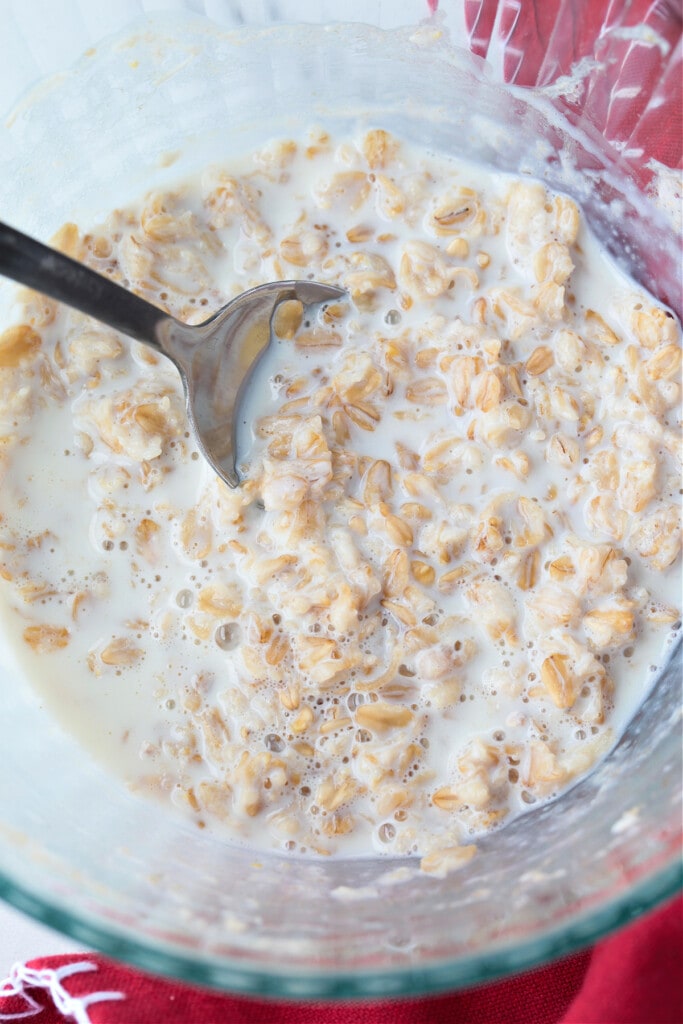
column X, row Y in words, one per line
column 82, row 854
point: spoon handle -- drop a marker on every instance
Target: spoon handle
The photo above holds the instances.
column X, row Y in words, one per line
column 50, row 272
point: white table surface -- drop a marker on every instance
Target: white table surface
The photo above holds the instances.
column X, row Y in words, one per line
column 21, row 938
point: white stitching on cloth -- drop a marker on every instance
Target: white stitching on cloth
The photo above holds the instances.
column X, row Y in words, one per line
column 22, row 977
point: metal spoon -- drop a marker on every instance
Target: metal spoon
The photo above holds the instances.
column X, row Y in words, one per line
column 214, row 358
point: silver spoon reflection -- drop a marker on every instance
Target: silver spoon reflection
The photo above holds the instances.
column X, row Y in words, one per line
column 214, row 358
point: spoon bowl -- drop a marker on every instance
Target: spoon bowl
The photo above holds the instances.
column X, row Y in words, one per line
column 214, row 358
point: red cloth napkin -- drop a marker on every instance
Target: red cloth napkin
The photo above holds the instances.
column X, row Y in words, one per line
column 636, row 977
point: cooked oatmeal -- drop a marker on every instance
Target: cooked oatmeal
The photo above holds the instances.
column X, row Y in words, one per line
column 453, row 564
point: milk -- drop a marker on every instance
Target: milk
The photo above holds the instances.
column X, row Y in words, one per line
column 136, row 718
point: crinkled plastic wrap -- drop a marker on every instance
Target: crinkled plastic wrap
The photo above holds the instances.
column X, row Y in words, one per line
column 614, row 68
column 76, row 849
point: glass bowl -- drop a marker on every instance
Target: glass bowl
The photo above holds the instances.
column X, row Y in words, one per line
column 82, row 854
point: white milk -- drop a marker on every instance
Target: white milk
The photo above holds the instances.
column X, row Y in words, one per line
column 136, row 717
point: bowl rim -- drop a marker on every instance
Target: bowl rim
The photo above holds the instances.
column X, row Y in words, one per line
column 402, row 981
